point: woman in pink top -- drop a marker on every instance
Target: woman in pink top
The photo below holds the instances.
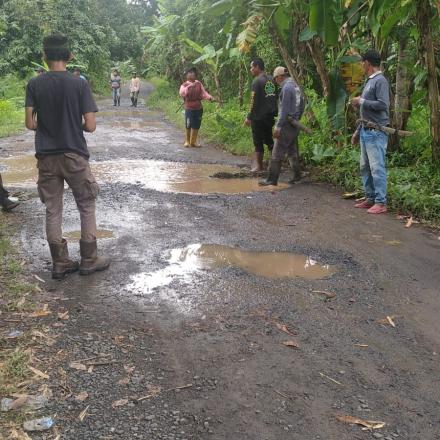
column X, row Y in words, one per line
column 193, row 92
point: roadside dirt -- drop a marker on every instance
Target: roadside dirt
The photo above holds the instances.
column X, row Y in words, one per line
column 197, row 351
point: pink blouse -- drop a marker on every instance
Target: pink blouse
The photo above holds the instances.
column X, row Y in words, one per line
column 193, row 93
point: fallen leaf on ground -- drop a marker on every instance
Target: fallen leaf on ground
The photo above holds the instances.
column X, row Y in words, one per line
column 82, row 414
column 291, row 344
column 82, row 396
column 128, row 369
column 388, row 320
column 328, row 295
column 90, row 369
column 38, row 373
column 361, row 345
column 124, row 381
column 19, row 402
column 370, row 424
column 284, row 328
column 350, row 195
column 118, row 339
column 63, row 316
column 39, row 279
column 393, row 242
column 18, row 435
column 78, row 366
column 120, row 402
column 42, row 312
column 330, row 378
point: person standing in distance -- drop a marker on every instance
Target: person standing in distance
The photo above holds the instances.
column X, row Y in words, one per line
column 262, row 112
column 291, row 106
column 115, row 84
column 374, row 106
column 59, row 108
column 135, row 86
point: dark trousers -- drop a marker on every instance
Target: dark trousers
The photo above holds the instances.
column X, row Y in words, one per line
column 262, row 133
column 193, row 119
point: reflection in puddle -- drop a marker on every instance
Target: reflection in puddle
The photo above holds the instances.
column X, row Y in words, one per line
column 136, row 124
column 183, row 263
column 176, row 177
column 100, row 233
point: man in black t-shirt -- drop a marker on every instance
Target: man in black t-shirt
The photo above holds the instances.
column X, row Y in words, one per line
column 262, row 112
column 59, row 108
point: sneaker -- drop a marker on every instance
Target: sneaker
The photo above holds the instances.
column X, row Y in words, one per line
column 366, row 204
column 378, row 208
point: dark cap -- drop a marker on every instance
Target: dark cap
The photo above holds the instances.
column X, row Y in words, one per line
column 372, row 56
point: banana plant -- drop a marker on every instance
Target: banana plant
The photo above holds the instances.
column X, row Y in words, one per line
column 212, row 58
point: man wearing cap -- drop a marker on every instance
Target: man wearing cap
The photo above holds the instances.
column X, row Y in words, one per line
column 374, row 105
column 262, row 112
column 291, row 105
column 59, row 108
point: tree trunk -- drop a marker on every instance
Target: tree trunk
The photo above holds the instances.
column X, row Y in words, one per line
column 218, row 89
column 290, row 64
column 315, row 49
column 424, row 14
column 402, row 97
column 240, row 85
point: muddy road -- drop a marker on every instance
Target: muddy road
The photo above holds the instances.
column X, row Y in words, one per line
column 229, row 313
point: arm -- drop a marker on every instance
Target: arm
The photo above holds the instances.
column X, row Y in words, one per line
column 30, row 119
column 183, row 90
column 287, row 107
column 89, row 122
column 253, row 103
column 205, row 94
column 382, row 101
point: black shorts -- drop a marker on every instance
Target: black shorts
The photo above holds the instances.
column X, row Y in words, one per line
column 262, row 133
column 193, row 119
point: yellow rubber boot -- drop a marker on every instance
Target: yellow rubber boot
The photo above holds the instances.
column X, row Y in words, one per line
column 188, row 138
column 194, row 134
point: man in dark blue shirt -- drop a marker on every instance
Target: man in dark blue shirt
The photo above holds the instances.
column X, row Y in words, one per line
column 59, row 108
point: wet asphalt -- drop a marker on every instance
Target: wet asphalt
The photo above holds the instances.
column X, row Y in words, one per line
column 201, row 354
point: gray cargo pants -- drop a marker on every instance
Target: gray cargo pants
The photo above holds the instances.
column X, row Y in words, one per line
column 53, row 171
column 287, row 143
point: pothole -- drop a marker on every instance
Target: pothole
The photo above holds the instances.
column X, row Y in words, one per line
column 184, row 263
column 175, row 177
column 100, row 234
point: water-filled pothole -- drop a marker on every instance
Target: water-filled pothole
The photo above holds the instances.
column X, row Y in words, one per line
column 100, row 234
column 176, row 177
column 183, row 263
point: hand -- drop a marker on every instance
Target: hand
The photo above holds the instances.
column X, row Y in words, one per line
column 247, row 122
column 277, row 133
column 355, row 138
column 356, row 102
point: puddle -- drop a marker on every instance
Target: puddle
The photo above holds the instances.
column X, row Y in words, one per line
column 100, row 234
column 136, row 124
column 183, row 263
column 175, row 177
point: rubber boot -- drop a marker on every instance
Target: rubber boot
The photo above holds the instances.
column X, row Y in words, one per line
column 5, row 203
column 132, row 102
column 193, row 139
column 115, row 102
column 274, row 174
column 257, row 166
column 119, row 102
column 90, row 262
column 135, row 102
column 188, row 138
column 62, row 264
column 296, row 170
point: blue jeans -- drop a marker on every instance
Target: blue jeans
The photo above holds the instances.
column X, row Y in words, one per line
column 372, row 164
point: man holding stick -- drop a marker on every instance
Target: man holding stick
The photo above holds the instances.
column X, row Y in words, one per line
column 374, row 105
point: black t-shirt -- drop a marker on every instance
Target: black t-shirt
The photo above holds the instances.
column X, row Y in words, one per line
column 264, row 98
column 60, row 100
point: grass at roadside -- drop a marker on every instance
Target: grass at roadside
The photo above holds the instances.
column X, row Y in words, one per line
column 12, row 92
column 15, row 298
column 414, row 181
